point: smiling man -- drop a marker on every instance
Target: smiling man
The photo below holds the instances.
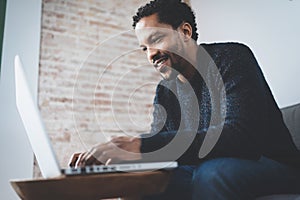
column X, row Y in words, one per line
column 166, row 48
column 230, row 138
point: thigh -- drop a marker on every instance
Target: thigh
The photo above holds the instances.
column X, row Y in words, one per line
column 232, row 178
column 179, row 186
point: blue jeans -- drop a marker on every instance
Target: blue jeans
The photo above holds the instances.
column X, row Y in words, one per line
column 230, row 179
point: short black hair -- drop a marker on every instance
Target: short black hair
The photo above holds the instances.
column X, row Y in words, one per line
column 172, row 12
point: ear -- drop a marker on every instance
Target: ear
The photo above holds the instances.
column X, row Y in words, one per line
column 187, row 30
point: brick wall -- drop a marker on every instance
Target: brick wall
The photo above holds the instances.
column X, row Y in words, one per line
column 93, row 82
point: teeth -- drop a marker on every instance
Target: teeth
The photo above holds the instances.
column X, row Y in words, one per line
column 162, row 61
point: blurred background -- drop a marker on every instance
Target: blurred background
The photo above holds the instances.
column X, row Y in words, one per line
column 90, row 80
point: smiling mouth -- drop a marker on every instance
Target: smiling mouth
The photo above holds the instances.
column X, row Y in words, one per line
column 159, row 64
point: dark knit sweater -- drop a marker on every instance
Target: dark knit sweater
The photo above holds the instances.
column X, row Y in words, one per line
column 250, row 121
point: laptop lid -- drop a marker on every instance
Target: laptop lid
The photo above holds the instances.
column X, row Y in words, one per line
column 33, row 125
column 41, row 144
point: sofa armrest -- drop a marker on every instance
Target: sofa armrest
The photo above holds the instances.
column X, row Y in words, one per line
column 291, row 117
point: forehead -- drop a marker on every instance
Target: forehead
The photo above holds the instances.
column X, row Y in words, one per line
column 150, row 25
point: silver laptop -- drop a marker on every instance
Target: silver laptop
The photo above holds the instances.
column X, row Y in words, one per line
column 41, row 145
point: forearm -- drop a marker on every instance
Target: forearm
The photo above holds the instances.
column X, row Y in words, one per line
column 231, row 143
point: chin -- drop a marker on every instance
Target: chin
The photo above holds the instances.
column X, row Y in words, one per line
column 169, row 75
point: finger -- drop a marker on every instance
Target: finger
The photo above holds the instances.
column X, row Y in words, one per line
column 108, row 161
column 111, row 156
column 93, row 155
column 124, row 151
column 73, row 159
column 79, row 160
column 88, row 158
column 91, row 160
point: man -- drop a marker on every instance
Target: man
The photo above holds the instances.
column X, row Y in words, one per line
column 214, row 97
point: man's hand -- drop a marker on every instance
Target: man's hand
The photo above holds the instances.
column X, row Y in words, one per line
column 74, row 159
column 118, row 149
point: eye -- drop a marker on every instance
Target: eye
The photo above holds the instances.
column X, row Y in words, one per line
column 157, row 39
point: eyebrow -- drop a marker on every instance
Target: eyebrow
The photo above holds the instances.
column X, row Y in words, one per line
column 150, row 38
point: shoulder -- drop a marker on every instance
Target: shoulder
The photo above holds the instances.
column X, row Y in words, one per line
column 227, row 49
column 230, row 53
column 232, row 59
column 223, row 46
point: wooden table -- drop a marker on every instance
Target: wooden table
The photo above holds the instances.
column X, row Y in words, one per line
column 93, row 187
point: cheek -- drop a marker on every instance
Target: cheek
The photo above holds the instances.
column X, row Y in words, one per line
column 175, row 59
column 163, row 46
column 176, row 49
column 169, row 45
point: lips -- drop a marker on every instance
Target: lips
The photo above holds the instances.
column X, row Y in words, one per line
column 159, row 63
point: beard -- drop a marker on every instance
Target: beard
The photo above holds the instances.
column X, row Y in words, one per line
column 172, row 74
column 176, row 68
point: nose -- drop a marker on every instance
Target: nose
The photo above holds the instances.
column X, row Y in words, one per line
column 151, row 53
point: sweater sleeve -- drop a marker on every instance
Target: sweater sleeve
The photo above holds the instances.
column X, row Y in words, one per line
column 244, row 105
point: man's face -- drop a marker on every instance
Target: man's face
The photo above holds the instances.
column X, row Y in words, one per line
column 162, row 44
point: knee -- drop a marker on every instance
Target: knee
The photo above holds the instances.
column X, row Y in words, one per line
column 215, row 173
column 210, row 180
column 222, row 178
column 208, row 173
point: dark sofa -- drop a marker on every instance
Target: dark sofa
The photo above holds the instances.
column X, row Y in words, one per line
column 291, row 116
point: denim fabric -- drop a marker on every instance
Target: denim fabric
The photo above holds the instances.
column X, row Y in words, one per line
column 231, row 179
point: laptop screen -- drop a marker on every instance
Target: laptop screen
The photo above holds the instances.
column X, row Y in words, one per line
column 33, row 125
